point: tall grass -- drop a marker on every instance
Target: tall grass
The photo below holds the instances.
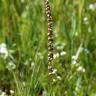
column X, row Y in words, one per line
column 23, row 39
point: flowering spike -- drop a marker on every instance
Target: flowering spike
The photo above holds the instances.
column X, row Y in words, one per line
column 50, row 31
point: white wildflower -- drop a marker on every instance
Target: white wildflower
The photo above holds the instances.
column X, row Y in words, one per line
column 92, row 6
column 86, row 51
column 76, row 34
column 11, row 66
column 63, row 53
column 12, row 92
column 56, row 55
column 83, row 70
column 86, row 20
column 74, row 62
column 74, row 57
column 49, row 73
column 59, row 78
column 54, row 80
column 3, row 94
column 61, row 47
column 54, row 71
column 32, row 64
column 80, row 68
column 3, row 50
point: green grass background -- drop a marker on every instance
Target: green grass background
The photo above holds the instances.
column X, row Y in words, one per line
column 23, row 28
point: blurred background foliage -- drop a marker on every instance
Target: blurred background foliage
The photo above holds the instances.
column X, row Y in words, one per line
column 23, row 47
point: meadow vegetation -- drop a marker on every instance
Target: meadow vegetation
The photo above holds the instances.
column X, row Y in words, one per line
column 23, row 48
